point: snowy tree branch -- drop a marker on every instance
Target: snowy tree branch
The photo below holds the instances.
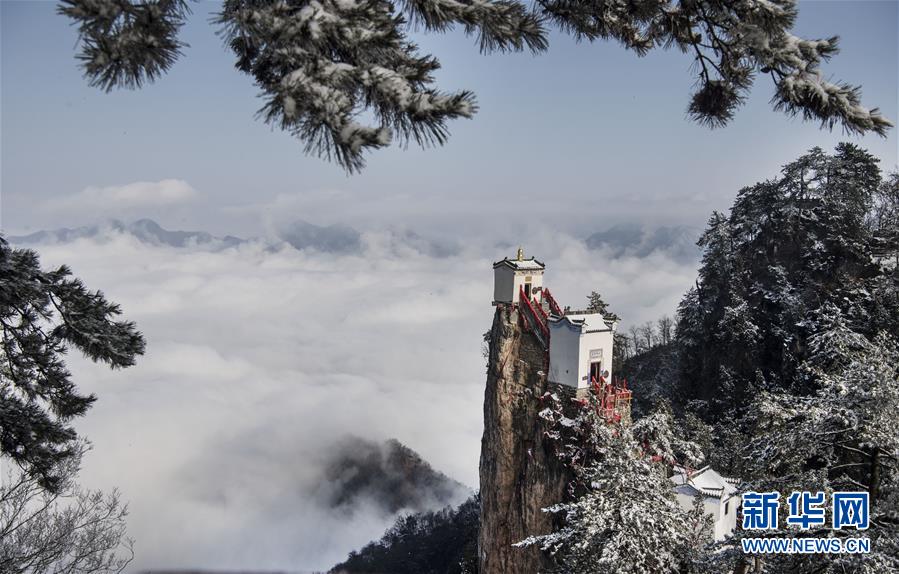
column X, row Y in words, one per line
column 126, row 43
column 68, row 531
column 344, row 78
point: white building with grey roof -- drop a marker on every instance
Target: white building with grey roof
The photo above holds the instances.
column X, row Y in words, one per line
column 512, row 276
column 719, row 496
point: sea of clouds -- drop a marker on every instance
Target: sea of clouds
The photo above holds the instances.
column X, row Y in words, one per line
column 260, row 360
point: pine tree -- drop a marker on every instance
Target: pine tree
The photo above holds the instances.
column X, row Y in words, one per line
column 885, row 217
column 789, row 246
column 437, row 542
column 322, row 64
column 44, row 314
column 596, row 304
column 716, row 331
column 787, row 350
column 841, row 437
column 622, row 516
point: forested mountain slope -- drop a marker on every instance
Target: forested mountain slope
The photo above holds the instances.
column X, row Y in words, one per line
column 439, row 542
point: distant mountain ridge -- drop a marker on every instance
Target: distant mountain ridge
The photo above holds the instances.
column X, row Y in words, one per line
column 145, row 230
column 337, row 238
column 632, row 240
column 620, row 240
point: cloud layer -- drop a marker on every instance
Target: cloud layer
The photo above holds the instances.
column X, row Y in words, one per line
column 261, row 360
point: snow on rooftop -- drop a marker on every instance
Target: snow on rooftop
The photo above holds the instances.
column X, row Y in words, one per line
column 705, row 480
column 521, row 264
column 590, row 321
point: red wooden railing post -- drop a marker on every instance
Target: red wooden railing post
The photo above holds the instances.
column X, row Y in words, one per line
column 553, row 306
column 540, row 322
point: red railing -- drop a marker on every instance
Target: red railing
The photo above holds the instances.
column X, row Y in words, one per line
column 539, row 308
column 611, row 399
column 553, row 306
column 537, row 319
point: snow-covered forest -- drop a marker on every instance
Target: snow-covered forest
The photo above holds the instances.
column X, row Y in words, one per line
column 783, row 367
column 783, row 370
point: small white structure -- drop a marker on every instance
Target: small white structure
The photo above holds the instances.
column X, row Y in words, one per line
column 510, row 276
column 719, row 496
column 580, row 349
column 579, row 342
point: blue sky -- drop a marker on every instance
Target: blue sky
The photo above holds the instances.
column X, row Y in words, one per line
column 590, row 135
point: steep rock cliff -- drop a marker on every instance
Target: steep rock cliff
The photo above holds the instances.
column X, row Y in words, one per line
column 519, row 473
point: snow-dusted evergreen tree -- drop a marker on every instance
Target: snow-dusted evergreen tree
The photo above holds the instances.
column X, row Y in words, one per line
column 596, row 304
column 842, row 437
column 787, row 353
column 622, row 516
column 434, row 542
column 788, row 349
column 44, row 314
column 886, row 211
column 846, row 428
column 324, row 65
column 716, row 334
column 788, row 246
column 884, row 221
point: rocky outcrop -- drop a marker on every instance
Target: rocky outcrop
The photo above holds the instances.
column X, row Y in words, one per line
column 519, row 473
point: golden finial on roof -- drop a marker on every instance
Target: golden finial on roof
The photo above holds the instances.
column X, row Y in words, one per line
column 520, row 254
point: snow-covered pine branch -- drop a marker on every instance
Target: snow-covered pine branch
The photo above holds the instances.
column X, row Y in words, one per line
column 499, row 24
column 43, row 315
column 323, row 65
column 344, row 77
column 126, row 43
